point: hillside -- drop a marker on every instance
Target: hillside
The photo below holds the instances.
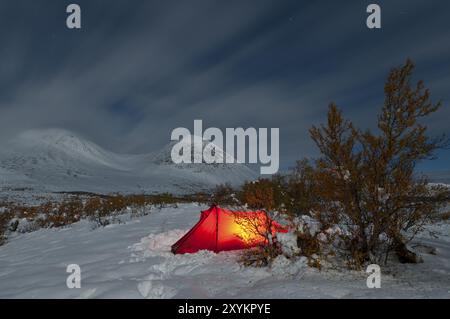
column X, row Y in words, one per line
column 61, row 161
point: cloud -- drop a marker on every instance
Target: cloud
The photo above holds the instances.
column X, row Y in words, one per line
column 139, row 69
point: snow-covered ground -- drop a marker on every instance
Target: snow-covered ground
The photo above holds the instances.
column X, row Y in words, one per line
column 55, row 160
column 133, row 260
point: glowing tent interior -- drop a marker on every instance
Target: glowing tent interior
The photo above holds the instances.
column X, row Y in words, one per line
column 219, row 230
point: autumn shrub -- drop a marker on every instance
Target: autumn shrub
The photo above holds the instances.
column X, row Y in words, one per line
column 366, row 181
column 258, row 194
column 280, row 195
column 67, row 212
column 198, row 197
column 118, row 202
column 162, row 200
column 292, row 193
column 445, row 216
column 99, row 209
column 5, row 218
column 223, row 195
column 301, row 189
column 308, row 244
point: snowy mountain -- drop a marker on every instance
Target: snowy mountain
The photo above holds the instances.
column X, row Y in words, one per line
column 164, row 156
column 59, row 160
column 442, row 177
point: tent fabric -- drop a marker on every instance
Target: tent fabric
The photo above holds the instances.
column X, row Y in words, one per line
column 220, row 230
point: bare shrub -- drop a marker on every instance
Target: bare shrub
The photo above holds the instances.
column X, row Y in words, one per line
column 258, row 229
column 260, row 256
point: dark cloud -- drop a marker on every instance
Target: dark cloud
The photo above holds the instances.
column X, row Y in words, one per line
column 138, row 69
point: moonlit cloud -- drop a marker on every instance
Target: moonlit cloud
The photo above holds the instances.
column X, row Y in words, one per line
column 139, row 69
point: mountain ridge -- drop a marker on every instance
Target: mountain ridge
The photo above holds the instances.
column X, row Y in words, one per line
column 61, row 160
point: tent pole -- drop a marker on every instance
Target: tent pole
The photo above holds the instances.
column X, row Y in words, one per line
column 217, row 230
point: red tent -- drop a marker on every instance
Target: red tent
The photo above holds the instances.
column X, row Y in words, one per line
column 219, row 229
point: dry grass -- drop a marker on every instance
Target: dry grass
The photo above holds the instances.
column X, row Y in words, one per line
column 100, row 209
column 445, row 216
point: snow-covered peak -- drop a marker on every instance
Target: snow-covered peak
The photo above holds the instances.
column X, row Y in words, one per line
column 48, row 135
column 64, row 161
column 198, row 147
column 55, row 143
column 57, row 138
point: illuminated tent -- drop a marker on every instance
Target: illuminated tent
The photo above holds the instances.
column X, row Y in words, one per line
column 220, row 230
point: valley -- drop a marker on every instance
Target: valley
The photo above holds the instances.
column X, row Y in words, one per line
column 51, row 161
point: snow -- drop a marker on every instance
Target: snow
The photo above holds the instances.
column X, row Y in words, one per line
column 288, row 243
column 133, row 260
column 55, row 160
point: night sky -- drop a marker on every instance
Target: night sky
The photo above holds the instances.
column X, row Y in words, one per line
column 138, row 69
